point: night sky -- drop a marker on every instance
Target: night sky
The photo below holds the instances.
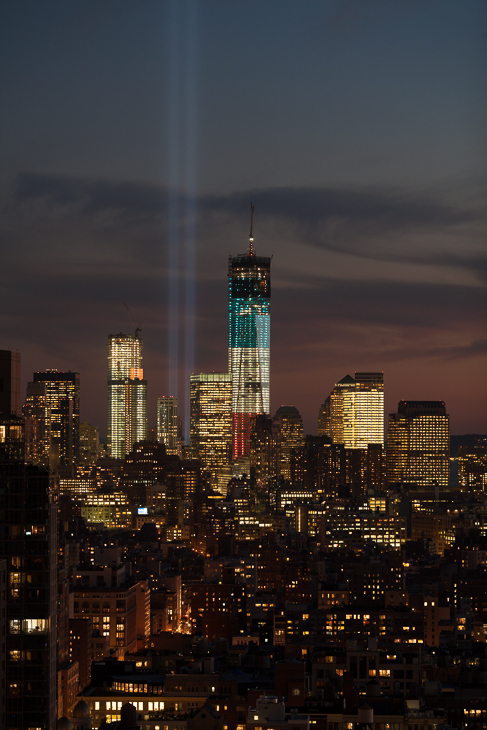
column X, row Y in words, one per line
column 135, row 133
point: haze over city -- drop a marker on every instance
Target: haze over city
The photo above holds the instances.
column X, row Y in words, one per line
column 133, row 137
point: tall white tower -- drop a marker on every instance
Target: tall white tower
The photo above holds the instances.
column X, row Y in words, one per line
column 127, row 394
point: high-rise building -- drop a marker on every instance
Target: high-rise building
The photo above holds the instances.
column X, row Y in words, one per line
column 168, row 423
column 127, row 394
column 28, row 531
column 292, row 436
column 9, row 383
column 249, row 279
column 89, row 443
column 472, row 468
column 211, row 424
column 37, row 415
column 62, row 416
column 369, row 409
column 418, row 444
column 353, row 413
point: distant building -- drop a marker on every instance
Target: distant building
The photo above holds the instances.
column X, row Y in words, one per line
column 292, row 436
column 353, row 413
column 249, row 278
column 37, row 414
column 168, row 423
column 418, row 444
column 127, row 394
column 472, row 468
column 211, row 425
column 89, row 443
column 62, row 416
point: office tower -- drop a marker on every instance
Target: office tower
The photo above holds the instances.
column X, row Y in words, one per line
column 472, row 468
column 211, row 425
column 292, row 436
column 28, row 543
column 89, row 443
column 265, row 450
column 62, row 415
column 9, row 383
column 127, row 394
column 353, row 413
column 37, row 417
column 167, row 423
column 369, row 409
column 418, row 444
column 337, row 413
column 249, row 278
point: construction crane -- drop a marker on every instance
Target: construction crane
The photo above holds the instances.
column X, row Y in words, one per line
column 138, row 327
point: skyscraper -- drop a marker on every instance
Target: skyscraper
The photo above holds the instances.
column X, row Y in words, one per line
column 37, row 414
column 249, row 279
column 211, row 424
column 292, row 436
column 62, row 416
column 369, row 409
column 418, row 444
column 167, row 423
column 353, row 413
column 127, row 394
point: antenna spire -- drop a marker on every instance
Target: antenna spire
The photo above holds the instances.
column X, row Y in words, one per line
column 251, row 235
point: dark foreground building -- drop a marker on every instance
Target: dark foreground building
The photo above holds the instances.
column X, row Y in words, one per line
column 28, row 544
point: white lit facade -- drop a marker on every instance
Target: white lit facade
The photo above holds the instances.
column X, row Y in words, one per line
column 353, row 414
column 127, row 395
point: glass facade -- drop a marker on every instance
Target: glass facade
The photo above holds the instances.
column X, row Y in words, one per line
column 127, row 395
column 248, row 343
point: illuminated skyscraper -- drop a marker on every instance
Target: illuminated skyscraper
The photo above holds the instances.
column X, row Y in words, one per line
column 418, row 444
column 167, row 423
column 353, row 413
column 369, row 409
column 127, row 394
column 211, row 424
column 249, row 280
column 62, row 416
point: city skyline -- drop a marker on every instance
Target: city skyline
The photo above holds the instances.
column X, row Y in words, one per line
column 134, row 137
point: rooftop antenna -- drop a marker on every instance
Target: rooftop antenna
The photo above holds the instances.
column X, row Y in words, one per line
column 138, row 328
column 251, row 236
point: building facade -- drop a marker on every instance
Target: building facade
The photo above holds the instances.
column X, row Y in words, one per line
column 249, row 279
column 292, row 436
column 62, row 416
column 167, row 423
column 211, row 424
column 353, row 413
column 127, row 394
column 37, row 417
column 418, row 444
